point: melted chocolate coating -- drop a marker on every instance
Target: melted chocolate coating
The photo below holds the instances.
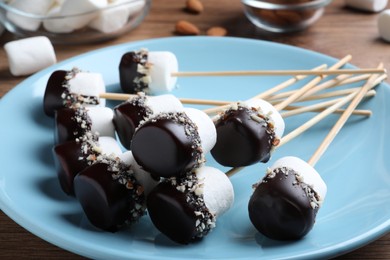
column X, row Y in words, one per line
column 171, row 214
column 52, row 99
column 68, row 164
column 127, row 117
column 162, row 148
column 104, row 200
column 66, row 128
column 241, row 141
column 128, row 72
column 280, row 209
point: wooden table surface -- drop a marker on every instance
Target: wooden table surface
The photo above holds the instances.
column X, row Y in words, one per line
column 339, row 32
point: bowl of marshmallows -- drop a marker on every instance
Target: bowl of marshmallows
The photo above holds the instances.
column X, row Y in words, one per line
column 72, row 21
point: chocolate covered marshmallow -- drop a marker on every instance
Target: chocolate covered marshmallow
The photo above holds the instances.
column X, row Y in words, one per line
column 186, row 208
column 285, row 202
column 247, row 133
column 66, row 89
column 129, row 114
column 149, row 72
column 171, row 144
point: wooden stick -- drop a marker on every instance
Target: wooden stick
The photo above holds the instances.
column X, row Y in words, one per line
column 268, row 92
column 286, row 84
column 327, row 94
column 343, row 119
column 336, row 93
column 264, row 94
column 344, row 82
column 124, row 97
column 234, row 170
column 311, row 84
column 276, row 72
column 328, row 84
column 315, row 107
column 316, row 119
column 372, row 82
column 357, row 112
column 319, row 107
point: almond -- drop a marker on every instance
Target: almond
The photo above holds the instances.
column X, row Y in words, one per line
column 216, row 31
column 186, row 28
column 194, row 6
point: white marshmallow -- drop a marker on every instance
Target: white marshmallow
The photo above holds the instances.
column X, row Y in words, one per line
column 88, row 84
column 271, row 111
column 79, row 14
column 36, row 7
column 163, row 63
column 218, row 191
column 29, row 55
column 54, row 9
column 101, row 121
column 367, row 5
column 50, row 24
column 164, row 104
column 384, row 25
column 109, row 146
column 143, row 177
column 206, row 128
column 116, row 15
column 310, row 176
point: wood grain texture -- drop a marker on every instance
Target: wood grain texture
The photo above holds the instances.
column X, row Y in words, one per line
column 339, row 32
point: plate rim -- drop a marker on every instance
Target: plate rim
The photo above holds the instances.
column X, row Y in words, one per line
column 338, row 249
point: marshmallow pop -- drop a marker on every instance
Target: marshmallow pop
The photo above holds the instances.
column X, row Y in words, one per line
column 186, row 209
column 172, row 144
column 247, row 133
column 112, row 191
column 285, row 202
column 68, row 88
column 150, row 72
column 128, row 115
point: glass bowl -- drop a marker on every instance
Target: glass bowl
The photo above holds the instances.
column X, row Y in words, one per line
column 98, row 24
column 284, row 16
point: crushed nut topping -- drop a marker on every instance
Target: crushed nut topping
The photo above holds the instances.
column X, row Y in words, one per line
column 142, row 79
column 193, row 188
column 71, row 100
column 314, row 199
column 190, row 129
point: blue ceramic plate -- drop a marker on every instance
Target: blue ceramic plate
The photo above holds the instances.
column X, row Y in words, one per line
column 355, row 168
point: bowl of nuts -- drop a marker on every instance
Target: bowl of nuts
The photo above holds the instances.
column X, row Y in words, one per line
column 71, row 21
column 283, row 16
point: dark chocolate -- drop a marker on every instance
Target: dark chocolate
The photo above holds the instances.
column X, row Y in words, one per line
column 52, row 99
column 108, row 204
column 167, row 145
column 57, row 94
column 177, row 208
column 171, row 214
column 281, row 206
column 129, row 76
column 243, row 138
column 70, row 123
column 69, row 161
column 74, row 156
column 127, row 117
